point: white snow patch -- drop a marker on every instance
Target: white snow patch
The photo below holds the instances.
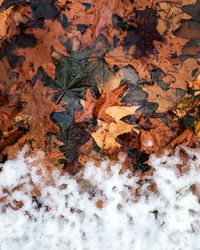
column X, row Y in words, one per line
column 149, row 143
column 166, row 220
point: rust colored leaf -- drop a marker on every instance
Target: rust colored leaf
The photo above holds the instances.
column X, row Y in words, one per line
column 40, row 55
column 38, row 107
column 10, row 20
column 118, row 57
column 187, row 138
column 195, row 84
column 157, row 138
column 96, row 109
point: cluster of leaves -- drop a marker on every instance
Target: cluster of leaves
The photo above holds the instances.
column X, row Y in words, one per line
column 86, row 78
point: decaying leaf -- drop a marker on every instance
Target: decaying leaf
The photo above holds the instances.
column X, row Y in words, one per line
column 96, row 109
column 187, row 138
column 106, row 133
column 40, row 56
column 165, row 99
column 157, row 138
column 138, row 61
column 118, row 112
column 38, row 106
column 195, row 85
column 4, row 22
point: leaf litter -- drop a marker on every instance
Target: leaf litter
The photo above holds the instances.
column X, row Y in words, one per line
column 84, row 79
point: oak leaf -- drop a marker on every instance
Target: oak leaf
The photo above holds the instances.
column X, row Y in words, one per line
column 120, row 58
column 96, row 109
column 40, row 55
column 106, row 134
column 38, row 106
column 141, row 4
column 10, row 20
column 4, row 22
column 96, row 19
column 169, row 16
column 195, row 85
column 165, row 99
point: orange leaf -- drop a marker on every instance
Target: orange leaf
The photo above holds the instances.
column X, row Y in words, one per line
column 96, row 109
column 40, row 55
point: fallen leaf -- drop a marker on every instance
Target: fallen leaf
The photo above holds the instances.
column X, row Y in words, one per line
column 187, row 138
column 195, row 85
column 106, row 133
column 96, row 109
column 157, row 138
column 118, row 57
column 38, row 106
column 4, row 22
column 165, row 99
column 118, row 112
column 40, row 54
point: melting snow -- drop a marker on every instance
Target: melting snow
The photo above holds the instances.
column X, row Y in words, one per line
column 167, row 219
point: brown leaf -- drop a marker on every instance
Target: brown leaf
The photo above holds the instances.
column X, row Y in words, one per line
column 187, row 138
column 10, row 19
column 38, row 107
column 96, row 109
column 4, row 22
column 118, row 57
column 195, row 84
column 98, row 18
column 165, row 99
column 40, row 55
column 106, row 134
column 157, row 138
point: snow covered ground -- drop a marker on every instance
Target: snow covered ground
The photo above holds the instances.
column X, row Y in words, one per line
column 66, row 215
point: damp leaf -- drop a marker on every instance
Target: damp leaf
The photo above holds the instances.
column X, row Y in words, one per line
column 96, row 109
column 39, row 55
column 106, row 134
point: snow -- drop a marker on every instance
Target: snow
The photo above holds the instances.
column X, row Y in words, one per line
column 66, row 215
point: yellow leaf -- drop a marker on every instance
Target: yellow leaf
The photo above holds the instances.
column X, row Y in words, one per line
column 4, row 24
column 106, row 133
column 195, row 84
column 197, row 130
column 118, row 112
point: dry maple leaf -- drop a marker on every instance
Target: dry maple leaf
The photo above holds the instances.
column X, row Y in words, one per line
column 96, row 109
column 40, row 55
